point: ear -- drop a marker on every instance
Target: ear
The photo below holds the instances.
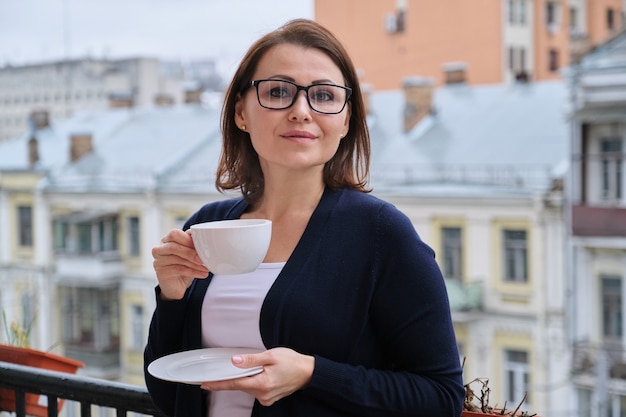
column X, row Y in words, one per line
column 239, row 118
column 346, row 123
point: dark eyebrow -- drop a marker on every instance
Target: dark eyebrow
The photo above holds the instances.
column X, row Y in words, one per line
column 288, row 78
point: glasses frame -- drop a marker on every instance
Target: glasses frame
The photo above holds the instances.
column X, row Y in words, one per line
column 255, row 84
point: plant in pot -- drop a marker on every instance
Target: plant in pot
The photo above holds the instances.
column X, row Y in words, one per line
column 17, row 350
column 476, row 403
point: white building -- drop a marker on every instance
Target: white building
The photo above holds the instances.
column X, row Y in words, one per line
column 597, row 225
column 56, row 90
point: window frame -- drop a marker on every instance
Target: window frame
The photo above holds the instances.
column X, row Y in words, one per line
column 611, row 168
column 511, row 249
column 612, row 303
column 452, row 247
column 137, row 326
column 25, row 226
column 553, row 60
column 134, row 235
column 516, row 376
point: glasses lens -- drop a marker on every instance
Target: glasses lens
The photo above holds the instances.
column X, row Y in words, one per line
column 323, row 98
column 326, row 98
column 275, row 94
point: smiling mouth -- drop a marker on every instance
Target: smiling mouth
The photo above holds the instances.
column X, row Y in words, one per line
column 299, row 135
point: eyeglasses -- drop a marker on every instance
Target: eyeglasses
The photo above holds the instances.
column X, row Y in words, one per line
column 281, row 94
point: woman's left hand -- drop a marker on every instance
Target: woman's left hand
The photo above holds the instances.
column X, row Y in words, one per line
column 285, row 371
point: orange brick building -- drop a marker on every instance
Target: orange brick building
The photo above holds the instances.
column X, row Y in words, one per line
column 492, row 40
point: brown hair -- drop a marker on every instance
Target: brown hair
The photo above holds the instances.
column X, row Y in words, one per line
column 239, row 166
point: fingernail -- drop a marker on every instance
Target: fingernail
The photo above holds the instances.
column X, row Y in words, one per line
column 237, row 359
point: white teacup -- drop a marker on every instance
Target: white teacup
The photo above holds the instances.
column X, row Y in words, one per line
column 232, row 246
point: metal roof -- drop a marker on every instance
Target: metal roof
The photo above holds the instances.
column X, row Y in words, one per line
column 505, row 134
column 480, row 139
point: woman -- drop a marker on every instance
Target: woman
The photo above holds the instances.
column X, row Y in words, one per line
column 349, row 305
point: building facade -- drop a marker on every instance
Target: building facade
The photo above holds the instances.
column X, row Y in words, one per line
column 597, row 226
column 496, row 41
column 57, row 90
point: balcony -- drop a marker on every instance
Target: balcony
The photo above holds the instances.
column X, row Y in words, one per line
column 93, row 268
column 464, row 296
column 82, row 394
column 592, row 360
column 597, row 221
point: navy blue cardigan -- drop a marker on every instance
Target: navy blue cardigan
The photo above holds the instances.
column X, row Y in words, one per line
column 363, row 294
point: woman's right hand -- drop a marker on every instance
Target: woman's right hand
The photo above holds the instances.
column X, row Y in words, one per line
column 176, row 264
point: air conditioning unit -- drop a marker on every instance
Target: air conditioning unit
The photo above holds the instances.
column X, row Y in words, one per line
column 391, row 23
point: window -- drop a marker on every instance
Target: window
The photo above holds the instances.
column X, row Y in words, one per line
column 517, row 59
column 551, row 13
column 521, row 4
column 610, row 19
column 611, row 307
column 452, row 252
column 584, row 399
column 516, row 376
column 611, row 165
column 107, row 234
column 573, row 18
column 137, row 341
column 134, row 247
column 61, row 235
column 553, row 60
column 91, row 318
column 517, row 12
column 25, row 225
column 515, row 256
column 71, row 235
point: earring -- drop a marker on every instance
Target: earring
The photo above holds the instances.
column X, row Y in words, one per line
column 243, row 127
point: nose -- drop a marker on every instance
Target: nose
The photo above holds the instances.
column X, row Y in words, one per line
column 300, row 109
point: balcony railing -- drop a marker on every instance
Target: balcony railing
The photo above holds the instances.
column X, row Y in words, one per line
column 595, row 359
column 88, row 392
column 466, row 296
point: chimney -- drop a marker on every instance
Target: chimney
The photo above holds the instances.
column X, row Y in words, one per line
column 80, row 145
column 40, row 119
column 418, row 100
column 193, row 96
column 163, row 100
column 33, row 151
column 455, row 73
column 121, row 100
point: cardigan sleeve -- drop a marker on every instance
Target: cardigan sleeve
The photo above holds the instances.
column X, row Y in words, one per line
column 174, row 328
column 410, row 316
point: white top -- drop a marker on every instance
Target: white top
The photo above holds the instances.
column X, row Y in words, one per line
column 230, row 318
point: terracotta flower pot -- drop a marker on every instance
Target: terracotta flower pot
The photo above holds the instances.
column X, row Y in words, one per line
column 37, row 359
column 467, row 413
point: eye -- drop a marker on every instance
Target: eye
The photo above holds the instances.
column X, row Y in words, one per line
column 323, row 93
column 280, row 90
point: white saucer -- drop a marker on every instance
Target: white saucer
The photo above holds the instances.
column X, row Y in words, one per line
column 201, row 365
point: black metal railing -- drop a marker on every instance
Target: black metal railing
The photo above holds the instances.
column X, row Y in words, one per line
column 86, row 391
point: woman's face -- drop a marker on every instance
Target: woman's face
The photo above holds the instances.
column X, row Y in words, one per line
column 296, row 138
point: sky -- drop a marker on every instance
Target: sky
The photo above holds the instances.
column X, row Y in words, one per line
column 44, row 30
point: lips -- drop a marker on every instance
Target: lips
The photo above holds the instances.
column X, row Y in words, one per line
column 298, row 134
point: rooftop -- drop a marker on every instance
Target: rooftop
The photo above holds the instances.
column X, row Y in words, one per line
column 500, row 139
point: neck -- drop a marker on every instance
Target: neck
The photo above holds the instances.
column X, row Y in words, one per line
column 290, row 197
